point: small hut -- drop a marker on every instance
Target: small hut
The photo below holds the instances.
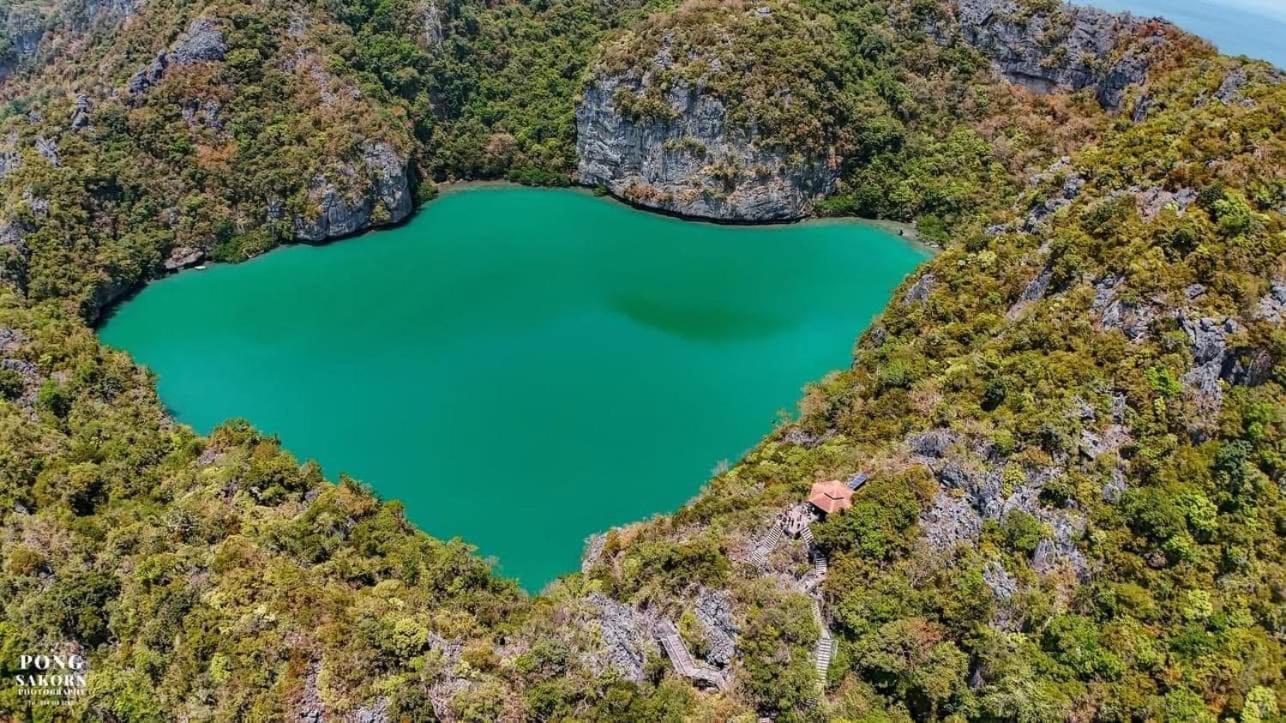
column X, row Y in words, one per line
column 830, row 497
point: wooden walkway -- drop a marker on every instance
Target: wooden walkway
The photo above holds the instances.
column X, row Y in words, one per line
column 682, row 660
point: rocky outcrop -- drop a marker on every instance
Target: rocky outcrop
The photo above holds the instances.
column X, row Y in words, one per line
column 931, row 444
column 714, row 613
column 688, row 159
column 1113, row 309
column 594, row 545
column 623, row 633
column 26, row 25
column 382, row 195
column 10, row 158
column 1216, row 358
column 81, row 111
column 920, row 290
column 1069, row 47
column 431, row 25
column 182, row 257
column 1272, row 308
column 1152, row 201
column 970, row 495
column 201, row 42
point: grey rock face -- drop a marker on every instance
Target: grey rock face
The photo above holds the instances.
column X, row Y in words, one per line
column 920, row 290
column 11, row 339
column 25, row 25
column 204, row 113
column 10, row 158
column 431, row 32
column 183, row 257
column 691, row 161
column 714, row 612
column 1271, row 308
column 1151, row 201
column 148, row 76
column 623, row 632
column 1002, row 584
column 80, row 116
column 1071, row 188
column 31, row 381
column 48, row 148
column 1230, row 89
column 1070, row 48
column 382, row 173
column 1132, row 318
column 374, row 712
column 1114, row 487
column 1209, row 339
column 593, row 551
column 971, row 495
column 203, row 41
column 933, row 443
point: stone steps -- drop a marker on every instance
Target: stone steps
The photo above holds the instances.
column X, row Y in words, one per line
column 820, row 566
column 825, row 644
column 825, row 650
column 763, row 548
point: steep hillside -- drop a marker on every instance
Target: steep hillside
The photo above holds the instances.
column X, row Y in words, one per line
column 1065, row 431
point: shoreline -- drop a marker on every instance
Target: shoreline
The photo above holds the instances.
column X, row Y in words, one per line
column 902, row 229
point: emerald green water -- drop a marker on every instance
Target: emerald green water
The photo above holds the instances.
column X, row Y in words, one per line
column 519, row 367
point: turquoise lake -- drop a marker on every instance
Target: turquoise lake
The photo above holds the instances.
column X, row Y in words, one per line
column 519, row 367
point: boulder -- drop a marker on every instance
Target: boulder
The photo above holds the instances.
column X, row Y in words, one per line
column 48, row 149
column 1113, row 310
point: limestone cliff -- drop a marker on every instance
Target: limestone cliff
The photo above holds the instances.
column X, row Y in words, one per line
column 688, row 159
column 378, row 194
column 731, row 123
column 1065, row 46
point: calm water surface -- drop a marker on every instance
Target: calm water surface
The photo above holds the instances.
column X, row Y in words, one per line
column 520, row 367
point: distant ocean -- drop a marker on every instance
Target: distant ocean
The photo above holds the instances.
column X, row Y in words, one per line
column 1237, row 27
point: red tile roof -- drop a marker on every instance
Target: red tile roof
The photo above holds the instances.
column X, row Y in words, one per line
column 831, row 496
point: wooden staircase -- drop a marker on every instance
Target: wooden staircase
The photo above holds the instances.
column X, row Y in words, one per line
column 682, row 660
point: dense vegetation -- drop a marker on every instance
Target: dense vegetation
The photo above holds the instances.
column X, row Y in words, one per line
column 1076, row 507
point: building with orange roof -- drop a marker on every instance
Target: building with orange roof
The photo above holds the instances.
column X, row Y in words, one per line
column 831, row 496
